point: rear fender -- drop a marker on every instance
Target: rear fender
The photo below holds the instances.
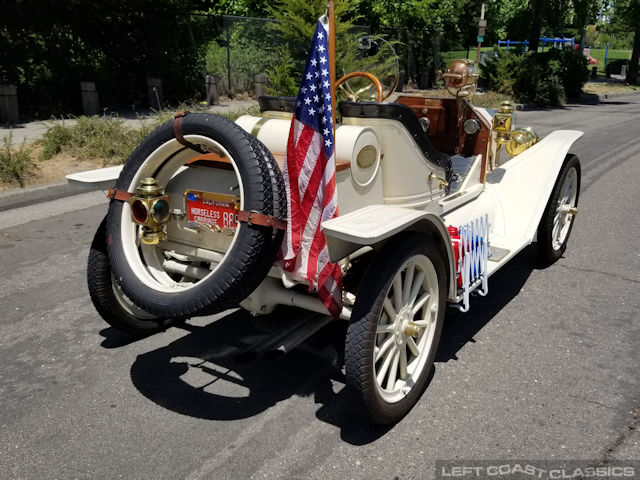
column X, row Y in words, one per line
column 374, row 225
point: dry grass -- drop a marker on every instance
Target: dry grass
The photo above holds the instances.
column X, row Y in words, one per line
column 86, row 144
column 16, row 163
column 604, row 88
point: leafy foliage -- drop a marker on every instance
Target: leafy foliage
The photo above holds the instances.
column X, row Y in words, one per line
column 47, row 51
column 16, row 165
column 295, row 23
column 252, row 52
column 542, row 78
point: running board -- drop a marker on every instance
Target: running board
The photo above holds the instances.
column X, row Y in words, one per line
column 498, row 253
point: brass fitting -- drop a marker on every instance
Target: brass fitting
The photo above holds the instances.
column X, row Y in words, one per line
column 150, row 209
column 506, row 106
column 441, row 181
column 412, row 330
column 520, row 140
column 502, row 122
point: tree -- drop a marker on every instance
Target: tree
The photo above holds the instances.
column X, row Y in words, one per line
column 628, row 13
column 47, row 51
column 296, row 22
column 421, row 26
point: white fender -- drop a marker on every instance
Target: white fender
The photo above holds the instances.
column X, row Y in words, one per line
column 372, row 225
column 516, row 194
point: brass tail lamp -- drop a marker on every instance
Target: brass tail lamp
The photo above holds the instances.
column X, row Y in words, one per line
column 150, row 209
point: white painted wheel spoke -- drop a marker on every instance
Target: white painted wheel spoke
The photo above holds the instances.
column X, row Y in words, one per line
column 383, row 348
column 554, row 234
column 397, row 293
column 416, row 287
column 393, row 371
column 388, row 328
column 399, row 359
column 391, row 313
column 403, row 362
column 385, row 366
column 420, row 303
column 408, row 281
column 413, row 347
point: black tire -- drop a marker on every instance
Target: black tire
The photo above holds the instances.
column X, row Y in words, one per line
column 247, row 261
column 107, row 303
column 367, row 313
column 280, row 208
column 548, row 249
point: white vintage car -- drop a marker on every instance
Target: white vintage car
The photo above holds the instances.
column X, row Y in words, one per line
column 435, row 196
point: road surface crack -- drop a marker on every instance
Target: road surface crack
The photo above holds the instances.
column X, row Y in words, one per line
column 635, row 414
column 595, row 402
column 593, row 270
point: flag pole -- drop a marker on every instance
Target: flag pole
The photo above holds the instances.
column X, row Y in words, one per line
column 332, row 64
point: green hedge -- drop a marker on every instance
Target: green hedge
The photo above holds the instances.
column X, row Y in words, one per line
column 544, row 78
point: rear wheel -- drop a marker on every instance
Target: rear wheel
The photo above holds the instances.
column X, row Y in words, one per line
column 109, row 300
column 558, row 217
column 395, row 327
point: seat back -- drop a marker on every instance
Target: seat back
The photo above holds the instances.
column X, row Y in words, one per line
column 406, row 116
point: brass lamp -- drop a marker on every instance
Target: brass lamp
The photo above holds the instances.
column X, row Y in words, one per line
column 150, row 209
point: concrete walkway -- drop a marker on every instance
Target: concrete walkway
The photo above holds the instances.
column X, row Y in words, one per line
column 32, row 131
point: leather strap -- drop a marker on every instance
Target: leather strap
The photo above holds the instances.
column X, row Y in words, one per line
column 256, row 218
column 177, row 131
column 121, row 195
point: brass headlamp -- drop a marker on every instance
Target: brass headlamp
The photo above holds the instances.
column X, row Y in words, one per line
column 521, row 139
column 150, row 209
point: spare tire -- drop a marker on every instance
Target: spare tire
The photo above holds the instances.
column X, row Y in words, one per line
column 232, row 275
column 278, row 187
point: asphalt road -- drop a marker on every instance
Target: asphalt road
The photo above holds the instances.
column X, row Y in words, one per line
column 544, row 367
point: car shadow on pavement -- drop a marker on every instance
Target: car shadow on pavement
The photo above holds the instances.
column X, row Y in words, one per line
column 218, row 372
column 461, row 328
column 114, row 338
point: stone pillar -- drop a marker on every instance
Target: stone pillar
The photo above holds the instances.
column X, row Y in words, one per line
column 154, row 91
column 211, row 84
column 90, row 102
column 260, row 85
column 9, row 104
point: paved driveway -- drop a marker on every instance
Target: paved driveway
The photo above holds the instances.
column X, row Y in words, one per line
column 544, row 367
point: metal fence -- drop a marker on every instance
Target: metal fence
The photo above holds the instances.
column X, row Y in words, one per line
column 245, row 48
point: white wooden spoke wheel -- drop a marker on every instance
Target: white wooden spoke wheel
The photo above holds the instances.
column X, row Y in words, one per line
column 559, row 215
column 565, row 208
column 395, row 327
column 406, row 328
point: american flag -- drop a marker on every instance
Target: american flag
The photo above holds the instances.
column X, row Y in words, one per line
column 310, row 177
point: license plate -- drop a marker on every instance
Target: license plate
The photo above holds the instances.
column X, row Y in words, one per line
column 216, row 210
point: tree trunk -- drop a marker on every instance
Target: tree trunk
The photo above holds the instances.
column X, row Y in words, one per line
column 536, row 25
column 437, row 35
column 632, row 72
column 583, row 38
column 582, row 18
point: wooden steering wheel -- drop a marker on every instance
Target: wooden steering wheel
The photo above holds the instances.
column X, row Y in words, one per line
column 355, row 96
